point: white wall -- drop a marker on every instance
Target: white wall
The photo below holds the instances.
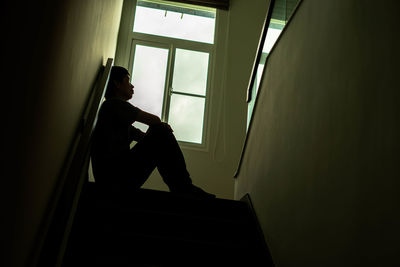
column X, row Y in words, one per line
column 323, row 154
column 236, row 43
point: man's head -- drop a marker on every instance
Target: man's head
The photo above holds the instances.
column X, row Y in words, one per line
column 119, row 84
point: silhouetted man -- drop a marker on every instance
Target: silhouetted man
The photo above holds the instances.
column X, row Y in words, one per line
column 117, row 165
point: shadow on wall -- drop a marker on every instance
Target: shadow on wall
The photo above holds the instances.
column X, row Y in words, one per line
column 53, row 52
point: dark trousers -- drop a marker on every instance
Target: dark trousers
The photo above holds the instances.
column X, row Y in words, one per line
column 158, row 149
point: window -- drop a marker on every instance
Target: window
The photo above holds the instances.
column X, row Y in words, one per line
column 177, row 21
column 171, row 51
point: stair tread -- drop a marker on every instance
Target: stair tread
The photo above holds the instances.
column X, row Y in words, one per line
column 165, row 202
column 122, row 230
column 146, row 246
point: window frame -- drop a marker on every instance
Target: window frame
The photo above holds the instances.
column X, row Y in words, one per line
column 133, row 38
column 167, row 75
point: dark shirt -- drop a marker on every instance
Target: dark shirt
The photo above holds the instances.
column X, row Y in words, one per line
column 114, row 131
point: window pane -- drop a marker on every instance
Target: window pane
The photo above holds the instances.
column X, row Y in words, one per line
column 148, row 78
column 186, row 117
column 270, row 39
column 190, row 72
column 159, row 19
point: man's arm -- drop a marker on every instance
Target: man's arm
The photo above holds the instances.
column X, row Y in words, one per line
column 135, row 134
column 147, row 118
column 150, row 119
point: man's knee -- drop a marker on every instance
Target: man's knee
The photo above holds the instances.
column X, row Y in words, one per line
column 160, row 129
column 160, row 134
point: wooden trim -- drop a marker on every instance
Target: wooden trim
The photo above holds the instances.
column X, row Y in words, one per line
column 53, row 232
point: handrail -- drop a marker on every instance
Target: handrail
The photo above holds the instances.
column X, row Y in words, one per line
column 57, row 222
column 252, row 80
column 254, row 72
column 259, row 51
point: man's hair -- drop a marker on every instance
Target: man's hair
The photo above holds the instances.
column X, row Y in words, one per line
column 117, row 75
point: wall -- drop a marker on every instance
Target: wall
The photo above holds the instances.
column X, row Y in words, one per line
column 53, row 53
column 237, row 35
column 322, row 160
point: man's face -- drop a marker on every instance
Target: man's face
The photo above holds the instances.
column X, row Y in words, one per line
column 125, row 88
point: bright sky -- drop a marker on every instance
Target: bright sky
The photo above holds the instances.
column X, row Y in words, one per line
column 173, row 24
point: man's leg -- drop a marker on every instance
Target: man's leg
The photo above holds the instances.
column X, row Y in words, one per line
column 160, row 148
column 138, row 166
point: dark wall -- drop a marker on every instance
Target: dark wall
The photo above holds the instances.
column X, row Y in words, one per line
column 322, row 162
column 53, row 52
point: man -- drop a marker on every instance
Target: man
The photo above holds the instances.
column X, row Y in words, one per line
column 115, row 164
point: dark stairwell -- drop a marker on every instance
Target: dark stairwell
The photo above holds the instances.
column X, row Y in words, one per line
column 143, row 227
column 156, row 228
column 70, row 41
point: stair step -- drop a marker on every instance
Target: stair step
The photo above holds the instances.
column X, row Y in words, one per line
column 160, row 201
column 156, row 249
column 155, row 228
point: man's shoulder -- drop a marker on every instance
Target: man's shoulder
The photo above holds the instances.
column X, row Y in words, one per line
column 117, row 103
column 119, row 107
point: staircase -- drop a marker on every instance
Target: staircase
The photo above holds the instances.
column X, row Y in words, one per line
column 155, row 228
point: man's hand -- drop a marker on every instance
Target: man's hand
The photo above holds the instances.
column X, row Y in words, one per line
column 148, row 118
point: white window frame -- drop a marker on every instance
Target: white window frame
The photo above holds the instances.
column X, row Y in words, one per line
column 132, row 38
